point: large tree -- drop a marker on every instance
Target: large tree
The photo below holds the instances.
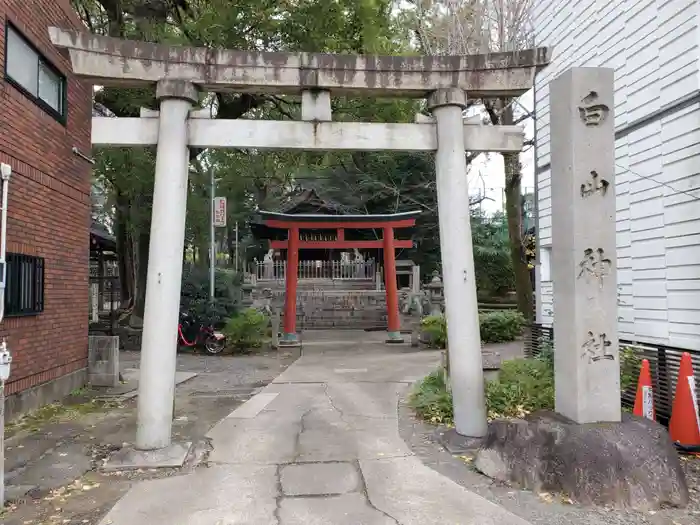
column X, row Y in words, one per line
column 458, row 27
column 264, row 25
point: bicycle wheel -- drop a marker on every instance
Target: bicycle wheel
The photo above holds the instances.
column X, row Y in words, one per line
column 214, row 345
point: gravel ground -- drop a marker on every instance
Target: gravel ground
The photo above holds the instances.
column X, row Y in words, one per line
column 544, row 509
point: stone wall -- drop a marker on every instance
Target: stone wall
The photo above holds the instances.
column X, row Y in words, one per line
column 341, row 309
column 323, row 284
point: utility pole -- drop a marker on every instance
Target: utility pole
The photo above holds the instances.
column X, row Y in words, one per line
column 212, row 249
column 5, row 357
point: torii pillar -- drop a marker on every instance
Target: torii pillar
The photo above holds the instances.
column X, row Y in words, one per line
column 162, row 309
column 289, row 337
column 392, row 292
column 461, row 308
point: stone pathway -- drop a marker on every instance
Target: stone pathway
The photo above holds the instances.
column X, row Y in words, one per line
column 319, row 445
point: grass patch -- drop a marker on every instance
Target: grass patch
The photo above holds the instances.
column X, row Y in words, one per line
column 524, row 385
column 432, row 401
column 56, row 413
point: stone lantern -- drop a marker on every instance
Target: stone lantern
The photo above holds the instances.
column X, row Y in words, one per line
column 436, row 294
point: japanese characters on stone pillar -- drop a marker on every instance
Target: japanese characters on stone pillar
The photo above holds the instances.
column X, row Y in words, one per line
column 586, row 362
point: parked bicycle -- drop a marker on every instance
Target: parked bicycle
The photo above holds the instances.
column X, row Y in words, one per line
column 194, row 334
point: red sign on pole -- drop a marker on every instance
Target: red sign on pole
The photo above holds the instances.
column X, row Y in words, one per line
column 220, row 212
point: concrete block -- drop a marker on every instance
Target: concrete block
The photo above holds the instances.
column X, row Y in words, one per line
column 314, row 479
column 348, row 509
column 129, row 458
column 103, row 360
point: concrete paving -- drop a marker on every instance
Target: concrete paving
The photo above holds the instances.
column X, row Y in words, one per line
column 320, row 445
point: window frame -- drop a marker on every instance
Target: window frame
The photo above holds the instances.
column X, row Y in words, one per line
column 38, row 296
column 60, row 115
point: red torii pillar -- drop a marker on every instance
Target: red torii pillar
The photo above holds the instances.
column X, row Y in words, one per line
column 290, row 296
column 392, row 292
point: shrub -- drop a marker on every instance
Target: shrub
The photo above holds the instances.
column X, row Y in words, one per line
column 195, row 300
column 435, row 327
column 523, row 386
column 495, row 327
column 630, row 364
column 546, row 351
column 247, row 329
column 432, row 400
column 500, row 327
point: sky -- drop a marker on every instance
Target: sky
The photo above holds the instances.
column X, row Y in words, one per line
column 486, row 171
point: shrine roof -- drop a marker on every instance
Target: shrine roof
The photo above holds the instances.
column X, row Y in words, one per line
column 101, row 239
column 309, row 201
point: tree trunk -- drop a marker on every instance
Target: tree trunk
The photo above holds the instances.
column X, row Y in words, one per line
column 204, row 246
column 523, row 285
column 124, row 260
column 143, row 240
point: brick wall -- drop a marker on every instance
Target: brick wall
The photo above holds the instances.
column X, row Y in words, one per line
column 49, row 203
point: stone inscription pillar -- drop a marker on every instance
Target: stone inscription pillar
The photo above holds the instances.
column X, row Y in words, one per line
column 461, row 311
column 584, row 273
column 161, row 316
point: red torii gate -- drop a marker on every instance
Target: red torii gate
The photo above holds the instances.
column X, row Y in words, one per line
column 293, row 223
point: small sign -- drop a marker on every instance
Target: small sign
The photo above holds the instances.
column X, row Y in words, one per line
column 648, row 402
column 220, row 212
column 693, row 393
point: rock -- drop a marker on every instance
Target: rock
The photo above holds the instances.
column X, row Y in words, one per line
column 632, row 464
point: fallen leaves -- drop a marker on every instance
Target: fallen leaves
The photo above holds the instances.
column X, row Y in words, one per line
column 546, row 497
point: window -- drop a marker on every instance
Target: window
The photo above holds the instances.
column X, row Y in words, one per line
column 30, row 72
column 24, row 293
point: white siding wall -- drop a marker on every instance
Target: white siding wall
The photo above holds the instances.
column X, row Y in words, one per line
column 653, row 47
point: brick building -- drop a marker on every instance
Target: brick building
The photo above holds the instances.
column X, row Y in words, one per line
column 44, row 113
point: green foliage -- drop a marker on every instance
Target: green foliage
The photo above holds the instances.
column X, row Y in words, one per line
column 500, row 327
column 495, row 327
column 363, row 182
column 435, row 327
column 432, row 400
column 546, row 351
column 523, row 386
column 492, row 261
column 195, row 298
column 630, row 364
column 246, row 330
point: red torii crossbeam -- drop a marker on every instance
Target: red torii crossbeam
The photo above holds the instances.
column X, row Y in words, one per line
column 294, row 223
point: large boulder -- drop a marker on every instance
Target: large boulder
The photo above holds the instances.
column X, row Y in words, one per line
column 632, row 464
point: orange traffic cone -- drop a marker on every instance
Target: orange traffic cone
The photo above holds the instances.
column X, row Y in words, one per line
column 684, row 426
column 644, row 402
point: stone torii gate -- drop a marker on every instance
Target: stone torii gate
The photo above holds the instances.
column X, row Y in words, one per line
column 181, row 73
